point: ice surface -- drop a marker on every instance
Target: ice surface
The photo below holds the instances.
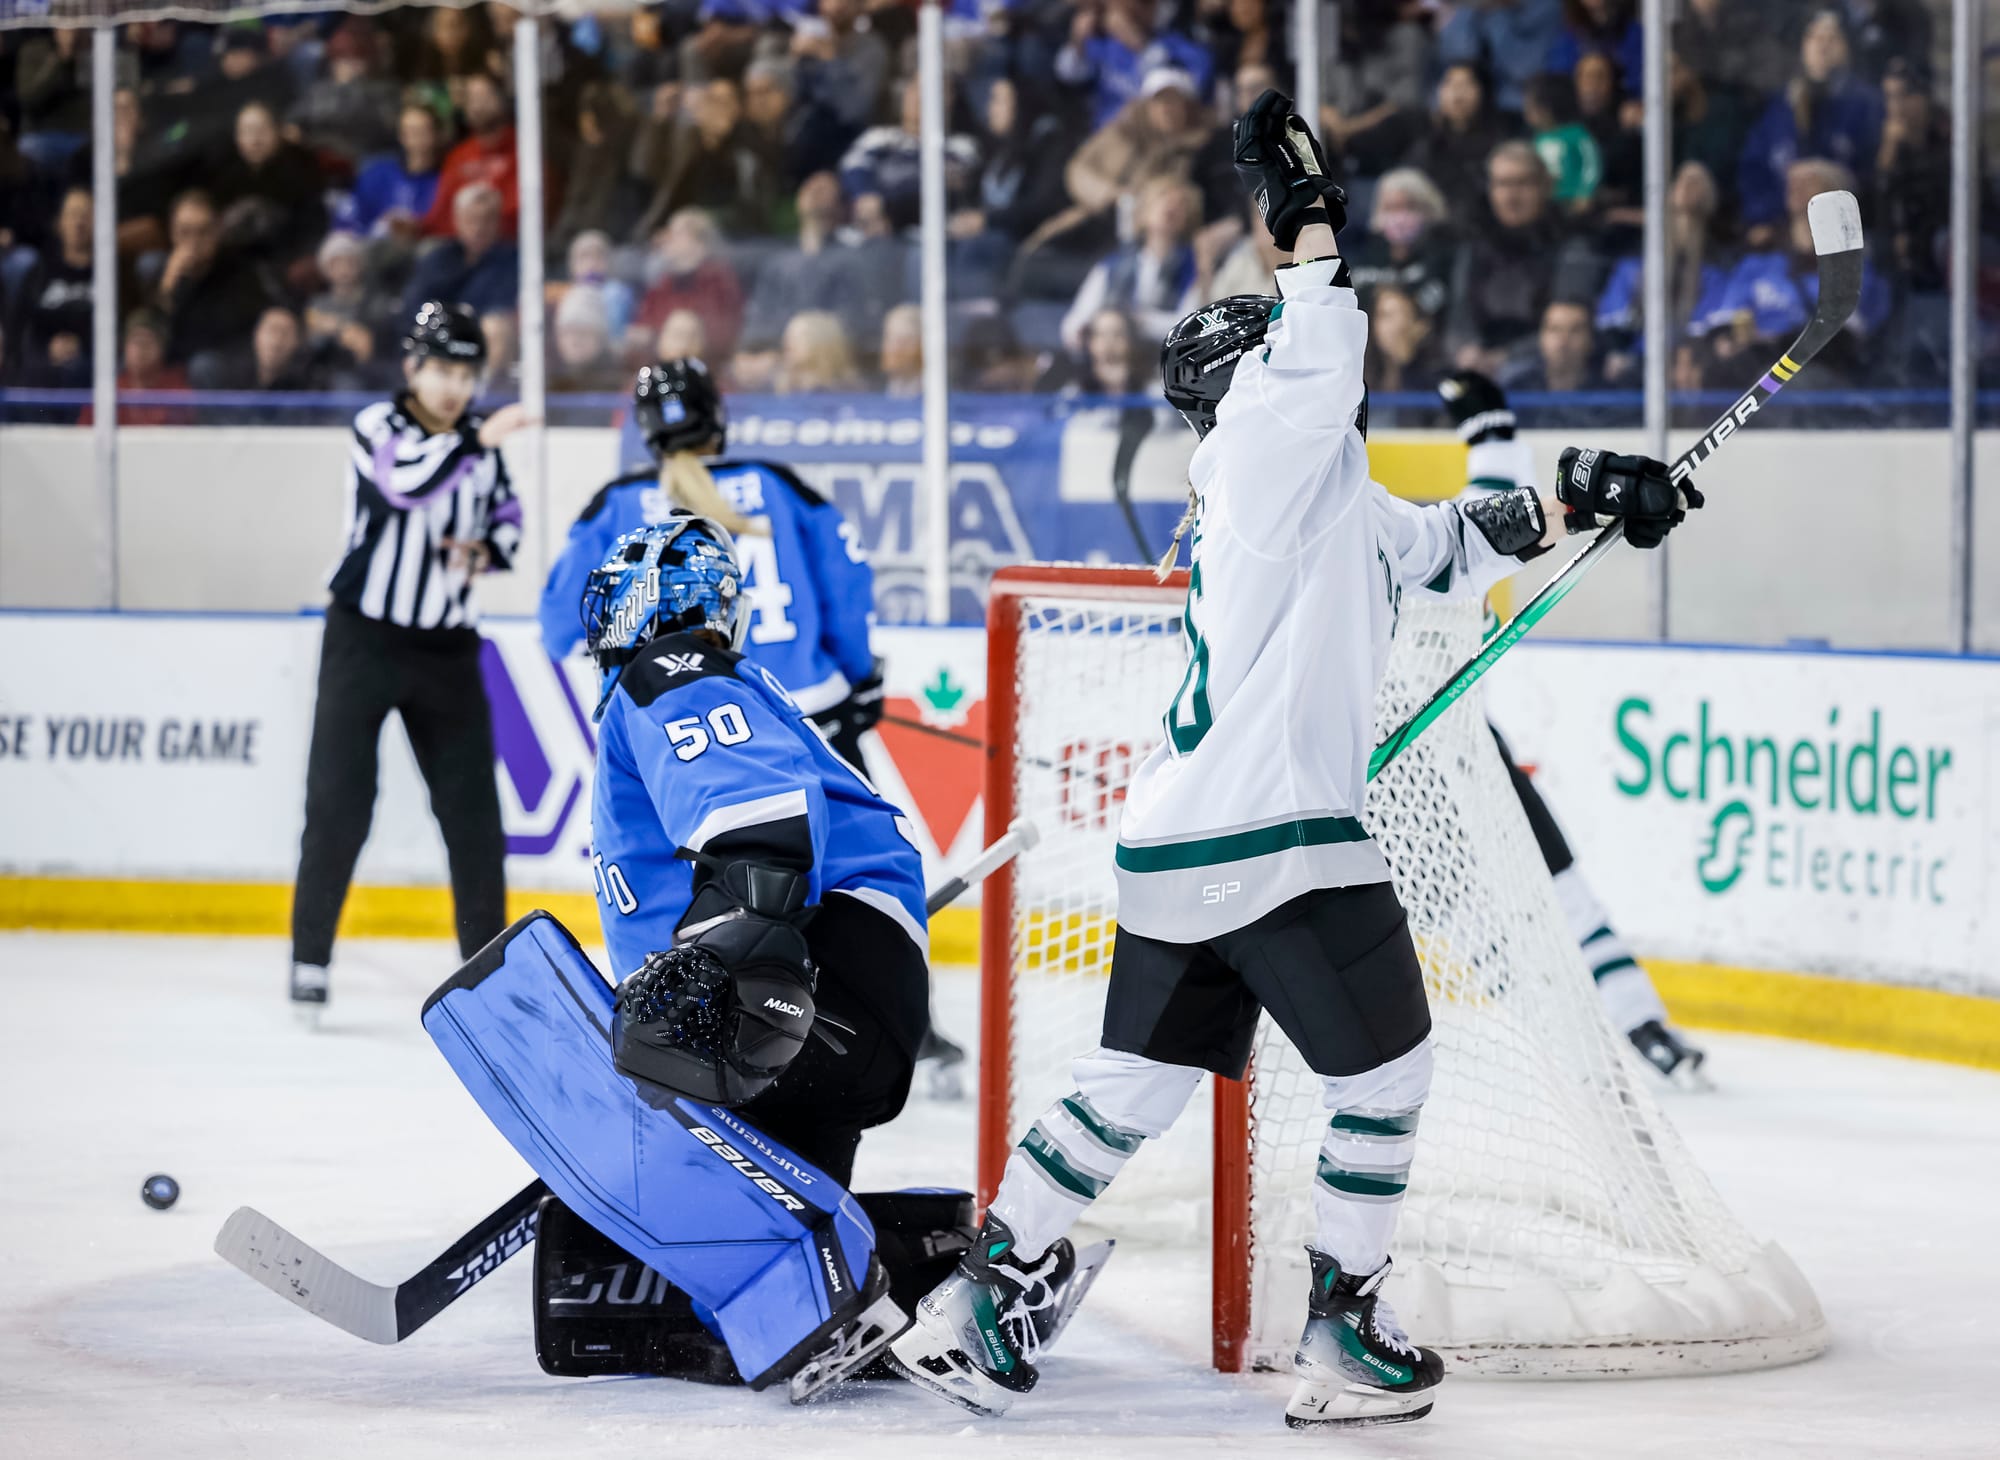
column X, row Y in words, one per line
column 121, row 1334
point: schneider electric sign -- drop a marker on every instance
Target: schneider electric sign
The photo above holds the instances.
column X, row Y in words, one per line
column 1797, row 809
column 1837, row 813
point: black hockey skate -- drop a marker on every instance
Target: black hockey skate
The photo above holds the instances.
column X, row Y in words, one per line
column 1355, row 1364
column 1677, row 1060
column 310, row 990
column 849, row 1348
column 943, row 1064
column 978, row 1333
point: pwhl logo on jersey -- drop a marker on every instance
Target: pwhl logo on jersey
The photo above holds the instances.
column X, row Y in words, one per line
column 1838, row 805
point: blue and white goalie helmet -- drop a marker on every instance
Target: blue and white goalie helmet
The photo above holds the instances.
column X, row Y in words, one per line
column 671, row 577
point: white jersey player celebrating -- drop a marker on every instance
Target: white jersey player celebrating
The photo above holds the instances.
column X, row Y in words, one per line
column 1246, row 880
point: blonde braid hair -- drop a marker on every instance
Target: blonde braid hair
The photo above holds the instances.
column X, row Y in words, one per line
column 1164, row 569
column 686, row 480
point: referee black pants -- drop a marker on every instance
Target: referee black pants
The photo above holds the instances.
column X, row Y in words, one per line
column 430, row 677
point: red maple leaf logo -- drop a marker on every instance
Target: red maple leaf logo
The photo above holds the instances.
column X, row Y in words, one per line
column 944, row 776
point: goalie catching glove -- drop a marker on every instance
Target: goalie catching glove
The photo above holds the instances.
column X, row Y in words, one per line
column 1280, row 161
column 721, row 1014
column 1600, row 487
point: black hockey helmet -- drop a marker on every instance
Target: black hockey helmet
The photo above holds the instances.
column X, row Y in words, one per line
column 678, row 407
column 446, row 332
column 1199, row 355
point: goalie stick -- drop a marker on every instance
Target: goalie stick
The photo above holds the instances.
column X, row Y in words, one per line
column 298, row 1272
column 1836, row 232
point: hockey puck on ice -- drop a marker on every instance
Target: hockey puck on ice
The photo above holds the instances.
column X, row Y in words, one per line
column 160, row 1192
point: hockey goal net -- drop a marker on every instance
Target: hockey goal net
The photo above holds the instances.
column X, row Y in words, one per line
column 1555, row 1224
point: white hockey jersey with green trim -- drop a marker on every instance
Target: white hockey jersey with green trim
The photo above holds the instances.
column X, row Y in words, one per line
column 1300, row 562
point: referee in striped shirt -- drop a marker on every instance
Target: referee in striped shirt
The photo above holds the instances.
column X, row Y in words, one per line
column 429, row 506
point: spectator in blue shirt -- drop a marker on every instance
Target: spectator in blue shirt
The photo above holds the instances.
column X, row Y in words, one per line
column 885, row 160
column 1152, row 278
column 1696, row 277
column 475, row 266
column 1113, row 45
column 1509, row 39
column 393, row 192
column 1825, row 111
column 1771, row 294
column 1609, row 26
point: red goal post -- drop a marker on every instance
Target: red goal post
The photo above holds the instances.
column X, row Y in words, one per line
column 1231, row 1174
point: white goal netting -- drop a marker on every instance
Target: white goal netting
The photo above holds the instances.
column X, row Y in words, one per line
column 1555, row 1223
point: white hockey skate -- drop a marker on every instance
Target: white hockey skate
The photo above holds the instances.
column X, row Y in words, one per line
column 310, row 989
column 978, row 1333
column 1355, row 1364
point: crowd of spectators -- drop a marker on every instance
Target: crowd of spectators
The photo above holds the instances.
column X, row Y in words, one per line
column 739, row 179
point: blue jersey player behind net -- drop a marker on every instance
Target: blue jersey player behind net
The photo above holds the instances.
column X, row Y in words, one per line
column 810, row 591
column 764, row 915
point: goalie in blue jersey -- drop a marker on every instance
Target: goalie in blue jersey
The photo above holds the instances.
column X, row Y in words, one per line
column 765, row 918
column 807, row 590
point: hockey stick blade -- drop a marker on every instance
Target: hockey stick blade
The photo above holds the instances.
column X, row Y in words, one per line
column 1835, row 219
column 1019, row 836
column 298, row 1272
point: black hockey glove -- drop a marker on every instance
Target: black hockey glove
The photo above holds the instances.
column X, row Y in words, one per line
column 1601, row 486
column 859, row 713
column 1478, row 407
column 1280, row 161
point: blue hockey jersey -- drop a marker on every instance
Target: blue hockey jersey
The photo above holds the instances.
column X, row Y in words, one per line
column 811, row 591
column 702, row 748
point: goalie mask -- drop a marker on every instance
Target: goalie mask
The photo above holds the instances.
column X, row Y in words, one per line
column 673, row 576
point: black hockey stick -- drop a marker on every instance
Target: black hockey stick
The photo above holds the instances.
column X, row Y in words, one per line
column 1135, row 424
column 1836, row 232
column 258, row 1246
column 298, row 1272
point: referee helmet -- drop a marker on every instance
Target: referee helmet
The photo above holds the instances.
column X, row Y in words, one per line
column 446, row 332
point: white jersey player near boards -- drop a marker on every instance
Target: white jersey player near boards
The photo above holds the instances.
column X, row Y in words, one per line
column 1499, row 461
column 1245, row 879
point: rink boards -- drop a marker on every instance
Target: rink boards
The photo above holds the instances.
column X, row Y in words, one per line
column 1833, row 814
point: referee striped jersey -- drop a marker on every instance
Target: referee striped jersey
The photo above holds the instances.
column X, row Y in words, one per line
column 407, row 492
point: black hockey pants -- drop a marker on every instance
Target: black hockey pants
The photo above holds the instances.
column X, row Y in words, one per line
column 430, row 677
column 874, row 982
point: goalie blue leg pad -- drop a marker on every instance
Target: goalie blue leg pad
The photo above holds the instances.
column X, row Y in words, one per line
column 776, row 1250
